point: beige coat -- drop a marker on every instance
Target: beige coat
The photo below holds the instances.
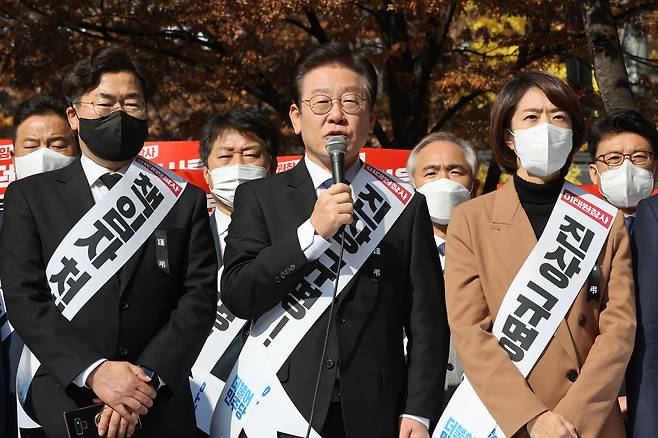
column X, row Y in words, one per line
column 488, row 241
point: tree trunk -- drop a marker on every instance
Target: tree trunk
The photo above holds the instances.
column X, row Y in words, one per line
column 607, row 55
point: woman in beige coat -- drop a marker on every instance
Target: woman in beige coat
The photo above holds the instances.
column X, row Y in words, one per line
column 572, row 389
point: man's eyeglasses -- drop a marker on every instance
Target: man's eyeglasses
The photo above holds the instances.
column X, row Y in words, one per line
column 349, row 103
column 615, row 159
column 104, row 106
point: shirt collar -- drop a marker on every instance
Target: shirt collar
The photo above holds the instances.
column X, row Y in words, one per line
column 93, row 170
column 223, row 220
column 319, row 174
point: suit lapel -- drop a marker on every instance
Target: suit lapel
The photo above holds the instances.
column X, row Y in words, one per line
column 302, row 194
column 73, row 188
column 512, row 234
column 513, row 237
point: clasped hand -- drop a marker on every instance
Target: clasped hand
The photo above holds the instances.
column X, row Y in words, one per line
column 125, row 390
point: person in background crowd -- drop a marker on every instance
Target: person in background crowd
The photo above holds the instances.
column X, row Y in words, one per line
column 536, row 126
column 280, row 228
column 444, row 167
column 622, row 145
column 631, row 142
column 42, row 141
column 132, row 344
column 237, row 146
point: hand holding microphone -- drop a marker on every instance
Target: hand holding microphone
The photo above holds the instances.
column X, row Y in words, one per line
column 334, row 206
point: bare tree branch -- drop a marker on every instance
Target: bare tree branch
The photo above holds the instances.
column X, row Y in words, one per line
column 450, row 112
column 636, row 8
column 316, row 28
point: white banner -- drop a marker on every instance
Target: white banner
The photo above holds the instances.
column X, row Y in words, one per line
column 255, row 400
column 99, row 245
column 537, row 301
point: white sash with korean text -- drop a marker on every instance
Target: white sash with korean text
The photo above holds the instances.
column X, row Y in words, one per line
column 253, row 399
column 537, row 301
column 99, row 245
column 207, row 387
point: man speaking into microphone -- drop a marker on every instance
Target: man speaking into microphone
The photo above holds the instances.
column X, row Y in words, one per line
column 283, row 251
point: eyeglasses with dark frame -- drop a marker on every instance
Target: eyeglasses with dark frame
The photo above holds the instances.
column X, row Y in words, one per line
column 103, row 106
column 615, row 159
column 350, row 103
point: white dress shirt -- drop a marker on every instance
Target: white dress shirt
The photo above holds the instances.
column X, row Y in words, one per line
column 442, row 257
column 222, row 220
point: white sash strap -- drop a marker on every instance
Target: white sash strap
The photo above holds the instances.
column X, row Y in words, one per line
column 99, row 245
column 206, row 387
column 254, row 400
column 537, row 301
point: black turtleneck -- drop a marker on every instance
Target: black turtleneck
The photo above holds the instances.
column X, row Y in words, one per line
column 538, row 200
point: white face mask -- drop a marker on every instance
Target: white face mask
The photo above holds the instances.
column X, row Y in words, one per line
column 626, row 185
column 39, row 161
column 442, row 195
column 543, row 149
column 226, row 179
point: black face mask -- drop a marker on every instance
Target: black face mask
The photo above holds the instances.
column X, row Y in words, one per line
column 115, row 137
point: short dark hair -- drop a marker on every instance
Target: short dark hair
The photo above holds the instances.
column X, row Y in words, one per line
column 500, row 123
column 37, row 106
column 246, row 120
column 620, row 121
column 86, row 73
column 333, row 53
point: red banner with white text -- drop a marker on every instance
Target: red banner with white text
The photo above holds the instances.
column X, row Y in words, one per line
column 183, row 158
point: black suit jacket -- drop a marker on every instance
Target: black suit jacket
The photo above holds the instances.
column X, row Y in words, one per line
column 144, row 314
column 399, row 288
column 642, row 372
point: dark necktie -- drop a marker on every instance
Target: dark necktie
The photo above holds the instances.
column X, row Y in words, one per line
column 330, row 182
column 442, row 249
column 629, row 221
column 110, row 179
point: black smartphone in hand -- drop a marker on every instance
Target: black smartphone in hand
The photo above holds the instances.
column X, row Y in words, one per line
column 82, row 423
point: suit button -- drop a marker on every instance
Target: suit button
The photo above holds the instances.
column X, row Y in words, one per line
column 245, row 331
column 341, row 319
column 123, row 351
column 329, row 363
column 450, row 367
column 582, row 320
column 124, row 305
column 572, row 375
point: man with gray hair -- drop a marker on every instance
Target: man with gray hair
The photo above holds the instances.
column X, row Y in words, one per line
column 444, row 168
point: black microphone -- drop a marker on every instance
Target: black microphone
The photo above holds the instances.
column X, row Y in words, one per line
column 336, row 147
